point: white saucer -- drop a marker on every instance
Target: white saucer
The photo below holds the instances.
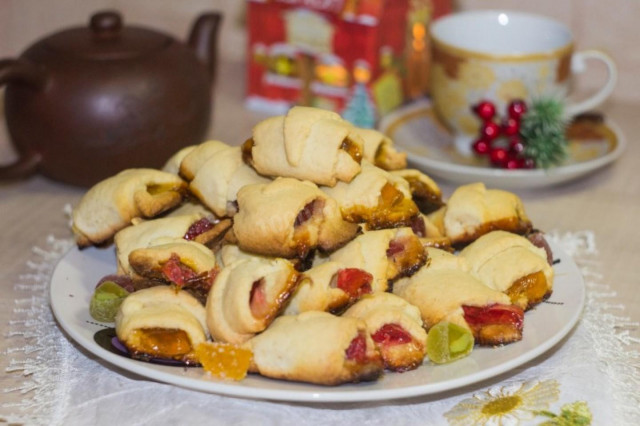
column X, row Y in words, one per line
column 429, row 147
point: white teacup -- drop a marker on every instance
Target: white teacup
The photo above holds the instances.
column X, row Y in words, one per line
column 501, row 56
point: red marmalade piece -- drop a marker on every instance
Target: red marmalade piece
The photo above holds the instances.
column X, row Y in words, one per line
column 355, row 282
column 391, row 334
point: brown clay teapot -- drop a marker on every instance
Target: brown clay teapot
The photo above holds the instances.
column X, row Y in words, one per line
column 85, row 103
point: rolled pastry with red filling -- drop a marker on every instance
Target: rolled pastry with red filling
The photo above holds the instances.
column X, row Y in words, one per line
column 425, row 192
column 473, row 210
column 309, row 144
column 395, row 326
column 185, row 264
column 512, row 264
column 113, row 203
column 143, row 234
column 247, row 295
column 386, row 254
column 316, row 347
column 380, row 150
column 375, row 197
column 328, row 287
column 445, row 291
column 198, row 156
column 162, row 322
column 288, row 218
column 217, row 181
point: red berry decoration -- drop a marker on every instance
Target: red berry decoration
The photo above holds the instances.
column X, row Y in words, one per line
column 516, row 108
column 490, row 130
column 510, row 126
column 485, row 110
column 516, row 146
column 498, row 156
column 481, row 146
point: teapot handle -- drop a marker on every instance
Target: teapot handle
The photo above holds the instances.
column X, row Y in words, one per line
column 20, row 71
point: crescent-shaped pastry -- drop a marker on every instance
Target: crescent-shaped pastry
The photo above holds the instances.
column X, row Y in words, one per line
column 375, row 197
column 173, row 163
column 195, row 227
column 512, row 264
column 425, row 192
column 288, row 218
column 111, row 204
column 330, row 287
column 323, row 150
column 185, row 264
column 196, row 158
column 443, row 292
column 386, row 254
column 316, row 347
column 162, row 322
column 218, row 180
column 395, row 326
column 473, row 210
column 379, row 150
column 247, row 295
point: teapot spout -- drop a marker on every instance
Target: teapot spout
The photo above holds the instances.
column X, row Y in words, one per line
column 203, row 39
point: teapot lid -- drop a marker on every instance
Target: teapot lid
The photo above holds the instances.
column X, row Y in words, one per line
column 106, row 38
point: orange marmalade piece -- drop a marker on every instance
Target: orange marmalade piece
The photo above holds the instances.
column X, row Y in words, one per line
column 224, row 360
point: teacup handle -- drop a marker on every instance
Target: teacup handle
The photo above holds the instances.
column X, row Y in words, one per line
column 20, row 71
column 578, row 65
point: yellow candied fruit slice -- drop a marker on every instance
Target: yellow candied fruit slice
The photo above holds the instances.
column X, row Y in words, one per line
column 224, row 360
column 447, row 342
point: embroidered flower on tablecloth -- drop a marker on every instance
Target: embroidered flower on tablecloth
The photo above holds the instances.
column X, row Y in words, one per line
column 574, row 414
column 505, row 405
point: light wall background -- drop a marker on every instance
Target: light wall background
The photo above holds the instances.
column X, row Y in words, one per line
column 611, row 26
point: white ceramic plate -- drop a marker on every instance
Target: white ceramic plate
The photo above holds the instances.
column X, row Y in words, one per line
column 78, row 272
column 429, row 147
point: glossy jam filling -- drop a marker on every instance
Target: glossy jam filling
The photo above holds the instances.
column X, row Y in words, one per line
column 406, row 255
column 161, row 342
column 155, row 189
column 353, row 149
column 247, row 148
column 393, row 210
column 529, row 290
column 197, row 228
column 176, row 271
column 391, row 334
column 425, row 198
column 495, row 324
column 357, row 350
column 353, row 281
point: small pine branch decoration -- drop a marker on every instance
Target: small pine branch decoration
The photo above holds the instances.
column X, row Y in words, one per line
column 543, row 127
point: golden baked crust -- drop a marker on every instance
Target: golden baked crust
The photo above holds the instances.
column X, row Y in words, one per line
column 313, row 347
column 145, row 233
column 387, row 254
column 425, row 192
column 380, row 150
column 247, row 295
column 307, row 144
column 148, row 322
column 502, row 259
column 386, row 313
column 218, row 180
column 148, row 262
column 375, row 197
column 173, row 163
column 473, row 210
column 196, row 158
column 288, row 218
column 113, row 203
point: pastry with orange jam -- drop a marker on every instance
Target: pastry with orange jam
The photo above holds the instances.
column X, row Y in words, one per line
column 307, row 143
column 512, row 264
column 162, row 322
column 375, row 197
column 473, row 210
column 113, row 203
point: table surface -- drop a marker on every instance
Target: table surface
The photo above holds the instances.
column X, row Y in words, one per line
column 606, row 202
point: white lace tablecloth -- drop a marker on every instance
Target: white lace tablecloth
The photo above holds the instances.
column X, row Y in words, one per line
column 591, row 377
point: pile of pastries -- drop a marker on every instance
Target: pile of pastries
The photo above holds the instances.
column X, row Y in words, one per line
column 315, row 248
